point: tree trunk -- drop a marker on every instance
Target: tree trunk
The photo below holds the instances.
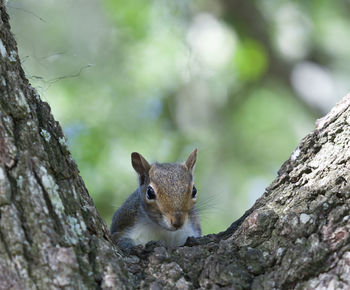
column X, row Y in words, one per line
column 51, row 236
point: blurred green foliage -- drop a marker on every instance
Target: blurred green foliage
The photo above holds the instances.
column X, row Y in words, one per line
column 251, row 60
column 243, row 81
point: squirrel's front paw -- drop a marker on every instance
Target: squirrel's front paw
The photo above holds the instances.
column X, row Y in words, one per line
column 128, row 247
column 150, row 246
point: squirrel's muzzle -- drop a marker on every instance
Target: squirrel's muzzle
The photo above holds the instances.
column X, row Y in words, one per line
column 177, row 220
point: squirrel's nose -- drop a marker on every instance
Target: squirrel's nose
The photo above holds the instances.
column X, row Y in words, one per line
column 177, row 221
column 176, row 224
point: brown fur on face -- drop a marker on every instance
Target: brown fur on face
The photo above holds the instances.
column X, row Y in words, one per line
column 172, row 184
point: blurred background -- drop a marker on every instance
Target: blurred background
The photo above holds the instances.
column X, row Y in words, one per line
column 243, row 81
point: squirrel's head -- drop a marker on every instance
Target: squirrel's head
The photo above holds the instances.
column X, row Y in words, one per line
column 167, row 190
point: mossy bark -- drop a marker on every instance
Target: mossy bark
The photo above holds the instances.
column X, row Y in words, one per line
column 296, row 236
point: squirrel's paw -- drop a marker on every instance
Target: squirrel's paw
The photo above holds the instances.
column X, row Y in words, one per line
column 150, row 246
column 128, row 247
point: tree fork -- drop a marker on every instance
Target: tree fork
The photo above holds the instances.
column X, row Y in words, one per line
column 296, row 235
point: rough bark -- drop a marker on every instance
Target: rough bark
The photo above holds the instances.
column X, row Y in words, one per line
column 296, row 236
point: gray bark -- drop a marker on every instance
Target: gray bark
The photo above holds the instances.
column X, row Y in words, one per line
column 296, row 236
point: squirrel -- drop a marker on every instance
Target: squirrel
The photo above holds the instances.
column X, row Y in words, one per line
column 162, row 208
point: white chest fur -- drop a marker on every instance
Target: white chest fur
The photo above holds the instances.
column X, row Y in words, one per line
column 146, row 231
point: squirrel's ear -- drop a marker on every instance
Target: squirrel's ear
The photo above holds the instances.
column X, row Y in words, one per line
column 191, row 160
column 140, row 165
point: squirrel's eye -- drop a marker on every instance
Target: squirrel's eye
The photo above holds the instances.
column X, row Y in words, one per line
column 194, row 191
column 150, row 193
